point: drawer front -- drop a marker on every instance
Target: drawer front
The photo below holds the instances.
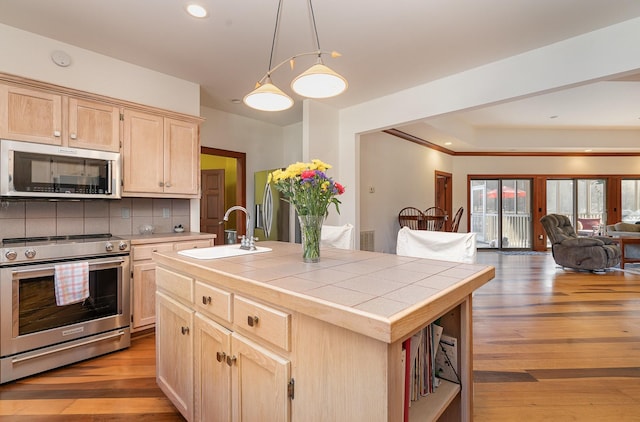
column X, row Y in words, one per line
column 263, row 321
column 192, row 244
column 144, row 251
column 213, row 301
column 176, row 285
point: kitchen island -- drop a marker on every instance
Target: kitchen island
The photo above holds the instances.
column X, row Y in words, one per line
column 265, row 336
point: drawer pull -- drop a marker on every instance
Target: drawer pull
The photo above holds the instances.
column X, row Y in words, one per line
column 252, row 320
column 206, row 300
column 185, row 330
column 231, row 360
column 221, row 356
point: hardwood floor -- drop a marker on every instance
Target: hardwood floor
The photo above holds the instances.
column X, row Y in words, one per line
column 120, row 386
column 555, row 345
column 549, row 345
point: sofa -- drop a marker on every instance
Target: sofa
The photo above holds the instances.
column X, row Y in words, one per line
column 626, row 230
column 623, row 229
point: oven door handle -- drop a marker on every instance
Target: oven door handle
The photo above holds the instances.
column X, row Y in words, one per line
column 69, row 347
column 52, row 268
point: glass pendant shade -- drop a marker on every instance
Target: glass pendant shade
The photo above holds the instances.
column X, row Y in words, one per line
column 319, row 81
column 268, row 97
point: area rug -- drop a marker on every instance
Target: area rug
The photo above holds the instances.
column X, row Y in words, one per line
column 632, row 269
column 522, row 253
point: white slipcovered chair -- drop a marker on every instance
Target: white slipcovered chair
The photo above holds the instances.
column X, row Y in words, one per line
column 444, row 246
column 341, row 237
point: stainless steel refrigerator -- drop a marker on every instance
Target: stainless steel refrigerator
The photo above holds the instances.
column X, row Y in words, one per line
column 272, row 213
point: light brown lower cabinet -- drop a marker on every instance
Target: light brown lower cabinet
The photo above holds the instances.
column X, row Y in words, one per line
column 226, row 355
column 210, row 372
column 241, row 381
column 143, row 282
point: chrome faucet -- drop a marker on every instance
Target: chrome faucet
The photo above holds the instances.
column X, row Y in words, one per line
column 246, row 242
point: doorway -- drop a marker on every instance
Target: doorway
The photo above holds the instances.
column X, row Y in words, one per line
column 501, row 213
column 233, row 191
column 443, row 196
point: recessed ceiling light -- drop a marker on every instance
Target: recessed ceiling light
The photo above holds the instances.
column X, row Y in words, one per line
column 196, row 11
column 588, row 150
column 448, row 143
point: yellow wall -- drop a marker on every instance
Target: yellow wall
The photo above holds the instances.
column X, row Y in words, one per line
column 215, row 162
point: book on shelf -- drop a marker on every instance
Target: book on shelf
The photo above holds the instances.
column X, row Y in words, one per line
column 420, row 360
column 447, row 359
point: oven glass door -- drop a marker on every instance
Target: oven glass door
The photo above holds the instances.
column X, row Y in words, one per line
column 36, row 301
column 30, row 317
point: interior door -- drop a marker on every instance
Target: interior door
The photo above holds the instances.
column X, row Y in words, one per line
column 212, row 203
column 443, row 196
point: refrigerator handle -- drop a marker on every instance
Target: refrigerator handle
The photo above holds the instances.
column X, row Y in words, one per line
column 267, row 210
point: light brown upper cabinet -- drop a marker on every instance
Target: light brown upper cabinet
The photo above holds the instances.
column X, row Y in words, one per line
column 39, row 116
column 161, row 156
column 30, row 115
column 93, row 125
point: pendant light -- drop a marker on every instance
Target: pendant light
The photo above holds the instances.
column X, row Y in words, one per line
column 319, row 81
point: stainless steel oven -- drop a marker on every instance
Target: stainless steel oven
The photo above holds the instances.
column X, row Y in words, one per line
column 35, row 333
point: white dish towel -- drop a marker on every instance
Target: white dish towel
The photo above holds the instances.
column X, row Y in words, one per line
column 71, row 282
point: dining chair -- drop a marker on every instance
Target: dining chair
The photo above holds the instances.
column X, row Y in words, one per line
column 456, row 220
column 434, row 218
column 411, row 217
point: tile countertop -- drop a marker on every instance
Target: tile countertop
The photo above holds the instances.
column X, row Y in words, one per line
column 141, row 239
column 383, row 296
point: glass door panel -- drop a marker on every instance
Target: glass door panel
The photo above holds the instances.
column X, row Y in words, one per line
column 501, row 213
column 516, row 214
column 582, row 200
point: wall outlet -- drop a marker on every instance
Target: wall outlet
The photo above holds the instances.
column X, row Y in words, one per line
column 372, row 189
column 166, row 213
column 125, row 212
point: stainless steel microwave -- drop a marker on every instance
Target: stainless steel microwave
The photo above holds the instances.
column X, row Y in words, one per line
column 31, row 170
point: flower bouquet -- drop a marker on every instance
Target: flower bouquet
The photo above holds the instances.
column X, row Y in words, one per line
column 307, row 187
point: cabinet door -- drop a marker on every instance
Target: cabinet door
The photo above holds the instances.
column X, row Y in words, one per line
column 174, row 353
column 30, row 115
column 94, row 125
column 212, row 345
column 260, row 380
column 143, row 153
column 144, row 295
column 182, row 157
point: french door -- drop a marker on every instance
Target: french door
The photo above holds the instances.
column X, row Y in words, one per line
column 501, row 213
column 582, row 200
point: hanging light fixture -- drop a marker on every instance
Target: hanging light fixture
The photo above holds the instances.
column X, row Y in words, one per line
column 319, row 81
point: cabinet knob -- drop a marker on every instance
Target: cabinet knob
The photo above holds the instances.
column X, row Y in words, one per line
column 185, row 330
column 161, row 184
column 168, row 185
column 73, row 136
column 56, row 133
column 252, row 320
column 206, row 300
column 231, row 360
column 221, row 356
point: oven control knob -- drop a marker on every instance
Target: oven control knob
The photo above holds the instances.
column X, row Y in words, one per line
column 122, row 246
column 11, row 255
column 109, row 246
column 30, row 253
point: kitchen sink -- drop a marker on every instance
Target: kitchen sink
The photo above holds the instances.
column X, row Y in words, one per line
column 217, row 252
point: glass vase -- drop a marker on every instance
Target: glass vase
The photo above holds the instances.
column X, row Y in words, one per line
column 311, row 229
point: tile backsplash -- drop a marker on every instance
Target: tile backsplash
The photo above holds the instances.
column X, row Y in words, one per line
column 119, row 217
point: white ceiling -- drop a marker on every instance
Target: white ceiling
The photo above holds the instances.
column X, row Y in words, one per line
column 385, row 47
